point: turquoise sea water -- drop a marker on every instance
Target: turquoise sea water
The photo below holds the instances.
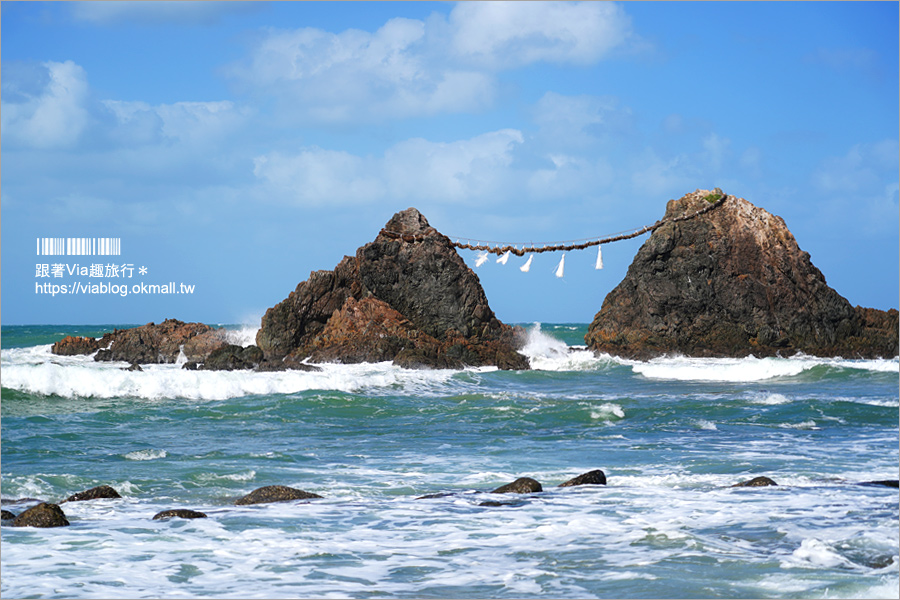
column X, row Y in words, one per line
column 671, row 435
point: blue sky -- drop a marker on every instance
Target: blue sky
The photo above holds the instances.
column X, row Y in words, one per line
column 238, row 146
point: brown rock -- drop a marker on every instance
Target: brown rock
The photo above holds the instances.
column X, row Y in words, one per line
column 150, row 343
column 407, row 297
column 732, row 282
column 274, row 493
column 42, row 515
column 72, row 345
column 5, row 515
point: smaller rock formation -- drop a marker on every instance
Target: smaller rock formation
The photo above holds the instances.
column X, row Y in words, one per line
column 163, row 343
column 72, row 345
column 5, row 515
column 42, row 515
column 522, row 485
column 274, row 493
column 595, row 477
column 761, row 481
column 95, row 493
column 180, row 513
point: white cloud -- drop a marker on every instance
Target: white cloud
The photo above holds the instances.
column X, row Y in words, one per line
column 510, row 34
column 317, row 177
column 157, row 12
column 52, row 117
column 575, row 121
column 411, row 68
column 471, row 171
column 864, row 167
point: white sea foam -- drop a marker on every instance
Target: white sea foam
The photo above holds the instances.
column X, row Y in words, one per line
column 546, row 353
column 747, row 369
column 37, row 371
column 145, row 454
column 608, row 411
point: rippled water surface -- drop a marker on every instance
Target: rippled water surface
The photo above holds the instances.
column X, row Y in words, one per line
column 672, row 436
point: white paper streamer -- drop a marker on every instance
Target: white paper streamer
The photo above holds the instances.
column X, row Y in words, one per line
column 524, row 268
column 562, row 266
column 599, row 257
column 482, row 258
column 502, row 260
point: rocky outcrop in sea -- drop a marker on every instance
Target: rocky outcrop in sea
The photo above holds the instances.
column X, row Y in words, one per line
column 406, row 297
column 730, row 283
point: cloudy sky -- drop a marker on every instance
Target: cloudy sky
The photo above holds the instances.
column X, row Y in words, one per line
column 236, row 146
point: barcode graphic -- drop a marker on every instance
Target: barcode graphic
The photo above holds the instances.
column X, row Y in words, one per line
column 85, row 246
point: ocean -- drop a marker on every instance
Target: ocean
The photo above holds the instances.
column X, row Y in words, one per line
column 672, row 436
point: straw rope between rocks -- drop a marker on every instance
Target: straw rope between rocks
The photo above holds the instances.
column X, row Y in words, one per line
column 502, row 247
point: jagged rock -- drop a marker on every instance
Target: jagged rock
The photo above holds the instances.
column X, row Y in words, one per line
column 181, row 513
column 595, row 477
column 761, row 481
column 522, row 485
column 732, row 282
column 150, row 343
column 407, row 297
column 95, row 493
column 42, row 515
column 275, row 493
column 72, row 345
column 133, row 367
column 5, row 515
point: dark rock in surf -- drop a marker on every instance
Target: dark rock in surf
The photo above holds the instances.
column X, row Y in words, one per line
column 275, row 493
column 884, row 482
column 5, row 515
column 522, row 485
column 761, row 481
column 732, row 282
column 162, row 343
column 42, row 515
column 133, row 367
column 407, row 297
column 595, row 477
column 180, row 513
column 233, row 358
column 72, row 345
column 95, row 493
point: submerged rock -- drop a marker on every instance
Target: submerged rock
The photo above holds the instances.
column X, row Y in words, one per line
column 95, row 493
column 407, row 297
column 595, row 477
column 275, row 493
column 522, row 485
column 181, row 513
column 732, row 282
column 884, row 482
column 42, row 515
column 761, row 481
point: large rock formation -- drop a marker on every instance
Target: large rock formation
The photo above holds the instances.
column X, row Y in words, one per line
column 407, row 297
column 732, row 282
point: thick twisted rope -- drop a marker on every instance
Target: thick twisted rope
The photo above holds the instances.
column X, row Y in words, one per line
column 497, row 249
